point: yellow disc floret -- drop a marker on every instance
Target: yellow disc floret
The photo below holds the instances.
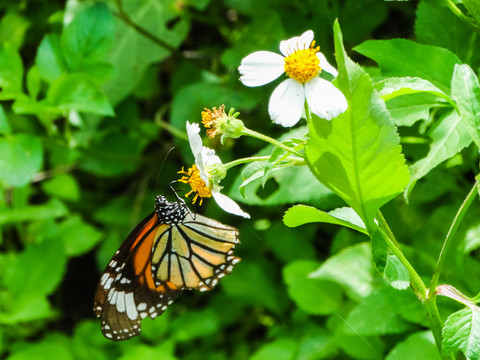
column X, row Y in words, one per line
column 303, row 64
column 199, row 188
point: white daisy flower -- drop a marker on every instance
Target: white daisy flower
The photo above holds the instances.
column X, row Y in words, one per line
column 302, row 62
column 205, row 175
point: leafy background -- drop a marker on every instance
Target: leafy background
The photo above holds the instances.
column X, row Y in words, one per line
column 94, row 94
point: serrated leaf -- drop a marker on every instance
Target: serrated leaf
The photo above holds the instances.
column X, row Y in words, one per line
column 401, row 57
column 394, row 87
column 357, row 155
column 466, row 92
column 22, row 157
column 449, row 136
column 302, row 214
column 397, row 274
column 461, row 332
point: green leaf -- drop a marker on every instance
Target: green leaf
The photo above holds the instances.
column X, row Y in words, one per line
column 77, row 92
column 64, row 186
column 49, row 59
column 394, row 87
column 314, row 296
column 461, row 332
column 396, row 273
column 13, row 27
column 406, row 110
column 39, row 269
column 280, row 349
column 50, row 210
column 164, row 351
column 133, row 52
column 78, row 236
column 278, row 155
column 302, row 214
column 23, row 309
column 113, row 154
column 458, row 37
column 351, row 268
column 4, row 125
column 466, row 92
column 401, row 57
column 53, row 347
column 374, row 316
column 247, row 278
column 379, row 251
column 11, row 72
column 88, row 37
column 195, row 325
column 449, row 136
column 22, row 157
column 357, row 155
column 33, row 82
column 296, row 243
column 417, row 346
column 473, row 8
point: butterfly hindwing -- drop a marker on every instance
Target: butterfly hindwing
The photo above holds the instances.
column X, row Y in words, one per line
column 169, row 251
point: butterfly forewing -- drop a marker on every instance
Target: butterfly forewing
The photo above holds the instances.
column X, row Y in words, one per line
column 169, row 251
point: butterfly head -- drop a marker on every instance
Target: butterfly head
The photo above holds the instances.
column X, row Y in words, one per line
column 170, row 212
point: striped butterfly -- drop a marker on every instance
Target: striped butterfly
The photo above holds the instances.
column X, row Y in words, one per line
column 171, row 250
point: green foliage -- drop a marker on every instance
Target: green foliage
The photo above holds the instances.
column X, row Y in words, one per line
column 94, row 95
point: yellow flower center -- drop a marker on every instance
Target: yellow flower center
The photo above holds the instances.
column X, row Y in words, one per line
column 212, row 120
column 199, row 188
column 303, row 65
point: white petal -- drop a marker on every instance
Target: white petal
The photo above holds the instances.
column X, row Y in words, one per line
column 324, row 99
column 228, row 204
column 195, row 140
column 287, row 102
column 325, row 65
column 208, row 158
column 287, row 47
column 260, row 68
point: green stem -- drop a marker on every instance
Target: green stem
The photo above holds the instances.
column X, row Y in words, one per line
column 123, row 15
column 384, row 225
column 271, row 141
column 466, row 19
column 299, row 161
column 415, row 280
column 417, row 284
column 308, row 115
column 447, row 244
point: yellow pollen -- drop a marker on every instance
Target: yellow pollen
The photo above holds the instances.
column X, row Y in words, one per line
column 303, row 65
column 211, row 120
column 199, row 188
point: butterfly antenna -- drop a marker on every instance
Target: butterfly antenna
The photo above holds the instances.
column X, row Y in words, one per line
column 179, row 199
column 161, row 166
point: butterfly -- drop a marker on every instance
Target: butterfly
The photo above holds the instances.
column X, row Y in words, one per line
column 170, row 251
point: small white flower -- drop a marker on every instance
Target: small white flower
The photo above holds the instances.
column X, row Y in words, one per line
column 209, row 169
column 302, row 62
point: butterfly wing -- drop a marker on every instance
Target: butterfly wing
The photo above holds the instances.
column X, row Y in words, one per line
column 126, row 292
column 194, row 254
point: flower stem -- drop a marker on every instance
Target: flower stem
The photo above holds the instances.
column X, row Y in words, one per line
column 466, row 19
column 417, row 284
column 299, row 161
column 270, row 140
column 308, row 115
column 447, row 244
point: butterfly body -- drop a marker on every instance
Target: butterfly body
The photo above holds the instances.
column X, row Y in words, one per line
column 170, row 251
